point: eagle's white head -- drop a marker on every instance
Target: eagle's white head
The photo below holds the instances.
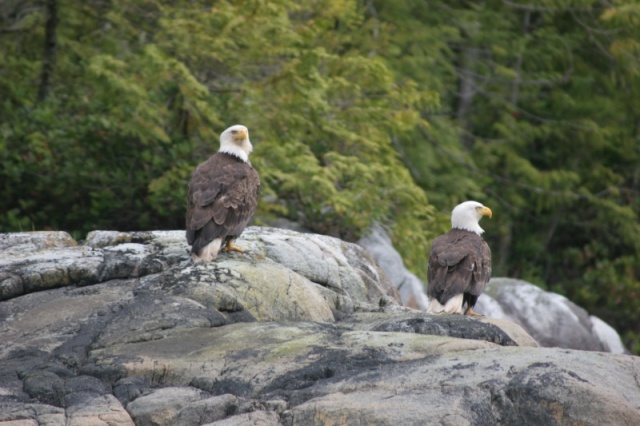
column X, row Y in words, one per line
column 235, row 141
column 467, row 215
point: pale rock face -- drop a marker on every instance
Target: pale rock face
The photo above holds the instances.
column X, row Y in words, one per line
column 301, row 329
column 552, row 319
column 607, row 335
column 411, row 289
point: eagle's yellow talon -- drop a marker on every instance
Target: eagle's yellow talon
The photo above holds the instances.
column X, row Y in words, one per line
column 472, row 313
column 231, row 247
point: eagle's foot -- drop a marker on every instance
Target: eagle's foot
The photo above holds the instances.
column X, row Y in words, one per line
column 231, row 247
column 472, row 313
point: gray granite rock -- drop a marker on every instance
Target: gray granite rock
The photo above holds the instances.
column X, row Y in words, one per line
column 551, row 319
column 410, row 287
column 300, row 330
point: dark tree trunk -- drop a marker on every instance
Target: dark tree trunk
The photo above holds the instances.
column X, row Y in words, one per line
column 467, row 91
column 50, row 50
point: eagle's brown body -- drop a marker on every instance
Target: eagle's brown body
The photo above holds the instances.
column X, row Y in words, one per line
column 459, row 264
column 223, row 195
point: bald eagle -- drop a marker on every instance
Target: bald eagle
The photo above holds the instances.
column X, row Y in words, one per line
column 223, row 195
column 460, row 262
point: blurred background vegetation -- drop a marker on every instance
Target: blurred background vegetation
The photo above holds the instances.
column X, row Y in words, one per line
column 360, row 111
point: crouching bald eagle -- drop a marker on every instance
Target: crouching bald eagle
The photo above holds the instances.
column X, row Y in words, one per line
column 223, row 195
column 460, row 262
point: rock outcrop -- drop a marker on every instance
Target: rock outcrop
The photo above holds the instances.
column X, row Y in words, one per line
column 302, row 329
column 410, row 287
column 552, row 319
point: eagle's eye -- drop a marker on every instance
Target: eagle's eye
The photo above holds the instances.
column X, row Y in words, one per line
column 234, row 131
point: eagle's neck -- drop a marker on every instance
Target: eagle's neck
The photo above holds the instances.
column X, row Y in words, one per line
column 468, row 225
column 235, row 151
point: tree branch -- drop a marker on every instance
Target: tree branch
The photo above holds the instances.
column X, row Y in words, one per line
column 536, row 8
column 50, row 50
column 11, row 30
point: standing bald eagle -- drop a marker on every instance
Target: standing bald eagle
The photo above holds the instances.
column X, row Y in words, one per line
column 223, row 195
column 460, row 262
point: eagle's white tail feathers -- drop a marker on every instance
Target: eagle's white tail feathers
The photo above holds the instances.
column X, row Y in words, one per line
column 453, row 305
column 208, row 252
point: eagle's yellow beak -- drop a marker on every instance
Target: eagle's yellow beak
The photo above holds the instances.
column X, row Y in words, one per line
column 486, row 211
column 240, row 136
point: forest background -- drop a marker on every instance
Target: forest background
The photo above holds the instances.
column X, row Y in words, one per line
column 360, row 111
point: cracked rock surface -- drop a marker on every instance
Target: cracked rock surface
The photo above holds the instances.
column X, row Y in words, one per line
column 302, row 329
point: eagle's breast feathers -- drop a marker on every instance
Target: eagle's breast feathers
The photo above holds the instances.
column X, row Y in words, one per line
column 460, row 262
column 225, row 191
